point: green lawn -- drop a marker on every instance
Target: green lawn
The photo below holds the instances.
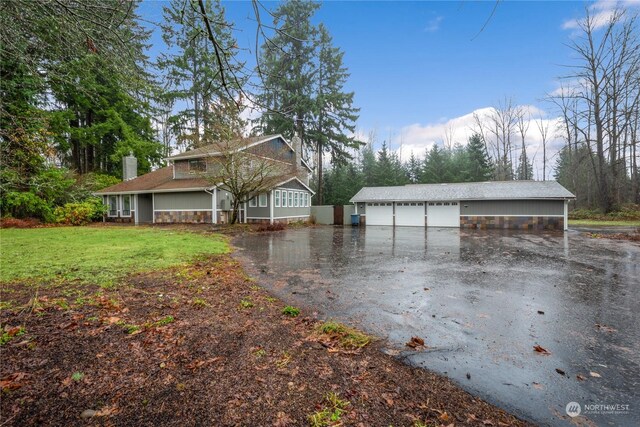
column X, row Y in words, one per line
column 99, row 255
column 598, row 223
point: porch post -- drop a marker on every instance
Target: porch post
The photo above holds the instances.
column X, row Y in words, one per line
column 214, row 205
column 271, row 207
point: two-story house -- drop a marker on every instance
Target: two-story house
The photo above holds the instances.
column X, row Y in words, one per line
column 185, row 192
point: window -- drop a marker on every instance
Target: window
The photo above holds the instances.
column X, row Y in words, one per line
column 262, row 200
column 431, row 204
column 290, row 199
column 306, row 200
column 113, row 205
column 454, row 204
column 295, row 199
column 284, row 199
column 126, row 205
column 253, row 202
column 197, row 166
column 277, row 197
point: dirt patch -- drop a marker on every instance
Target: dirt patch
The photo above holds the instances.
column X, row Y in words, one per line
column 632, row 237
column 204, row 345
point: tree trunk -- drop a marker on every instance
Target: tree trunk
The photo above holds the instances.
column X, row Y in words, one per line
column 320, row 197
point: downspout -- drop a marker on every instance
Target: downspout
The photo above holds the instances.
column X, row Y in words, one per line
column 566, row 214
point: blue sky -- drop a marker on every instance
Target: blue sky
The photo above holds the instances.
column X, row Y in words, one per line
column 418, row 66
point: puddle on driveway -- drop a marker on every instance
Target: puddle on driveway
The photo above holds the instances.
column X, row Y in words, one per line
column 475, row 297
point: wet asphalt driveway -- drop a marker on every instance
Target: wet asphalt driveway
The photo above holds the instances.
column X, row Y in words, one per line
column 481, row 300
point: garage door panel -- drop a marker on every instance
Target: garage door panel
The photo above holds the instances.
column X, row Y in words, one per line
column 443, row 214
column 380, row 214
column 410, row 214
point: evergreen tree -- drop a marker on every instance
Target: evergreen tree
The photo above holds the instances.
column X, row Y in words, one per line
column 413, row 169
column 193, row 77
column 341, row 183
column 335, row 115
column 524, row 170
column 287, row 67
column 479, row 163
column 435, row 168
column 369, row 164
column 388, row 169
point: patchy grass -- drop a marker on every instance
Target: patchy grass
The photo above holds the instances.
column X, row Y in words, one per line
column 291, row 311
column 345, row 336
column 97, row 255
column 601, row 223
column 246, row 303
column 331, row 413
column 10, row 333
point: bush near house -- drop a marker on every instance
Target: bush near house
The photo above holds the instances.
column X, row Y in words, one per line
column 629, row 212
column 54, row 195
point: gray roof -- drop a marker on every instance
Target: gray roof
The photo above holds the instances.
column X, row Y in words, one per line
column 492, row 190
column 217, row 148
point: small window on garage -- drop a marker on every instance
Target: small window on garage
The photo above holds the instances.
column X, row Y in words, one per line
column 439, row 204
column 431, row 204
column 413, row 204
column 420, row 204
column 454, row 204
column 446, row 203
column 389, row 204
column 369, row 204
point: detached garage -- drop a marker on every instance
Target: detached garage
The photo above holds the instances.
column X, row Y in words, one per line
column 500, row 204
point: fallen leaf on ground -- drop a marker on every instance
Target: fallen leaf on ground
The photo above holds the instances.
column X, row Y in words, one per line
column 444, row 417
column 538, row 386
column 580, row 377
column 595, row 374
column 12, row 382
column 539, row 349
column 560, row 371
column 540, row 312
column 415, row 342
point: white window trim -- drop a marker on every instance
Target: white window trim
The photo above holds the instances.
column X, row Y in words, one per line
column 277, row 199
column 284, row 203
column 266, row 198
column 194, row 172
column 109, row 206
column 122, row 214
column 253, row 202
column 295, row 199
column 290, row 193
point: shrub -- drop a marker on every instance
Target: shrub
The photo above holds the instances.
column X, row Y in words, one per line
column 276, row 226
column 26, row 205
column 80, row 213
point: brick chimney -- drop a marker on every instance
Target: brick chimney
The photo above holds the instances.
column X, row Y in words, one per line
column 129, row 167
column 296, row 143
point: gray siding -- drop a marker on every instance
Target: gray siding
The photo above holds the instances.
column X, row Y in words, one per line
column 145, row 208
column 192, row 200
column 292, row 211
column 224, row 200
column 362, row 208
column 512, row 207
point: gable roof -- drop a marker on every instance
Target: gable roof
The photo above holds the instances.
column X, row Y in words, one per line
column 215, row 149
column 295, row 178
column 157, row 181
column 492, row 190
column 243, row 143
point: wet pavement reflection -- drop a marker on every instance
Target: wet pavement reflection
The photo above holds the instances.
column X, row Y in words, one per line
column 481, row 300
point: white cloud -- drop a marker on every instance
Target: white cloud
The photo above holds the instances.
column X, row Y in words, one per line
column 601, row 12
column 433, row 25
column 418, row 138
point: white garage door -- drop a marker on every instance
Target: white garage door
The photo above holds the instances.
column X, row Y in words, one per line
column 410, row 214
column 379, row 214
column 443, row 214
